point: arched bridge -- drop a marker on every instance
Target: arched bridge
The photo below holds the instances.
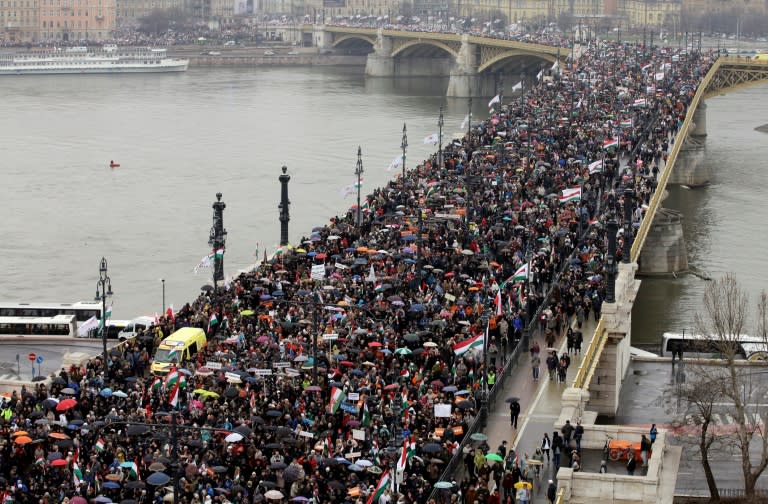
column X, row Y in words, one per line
column 597, row 384
column 476, row 65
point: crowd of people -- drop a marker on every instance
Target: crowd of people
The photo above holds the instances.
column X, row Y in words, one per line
column 348, row 367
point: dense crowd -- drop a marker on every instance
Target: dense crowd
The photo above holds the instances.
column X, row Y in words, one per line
column 436, row 261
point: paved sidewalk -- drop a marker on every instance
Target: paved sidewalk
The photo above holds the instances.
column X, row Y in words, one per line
column 540, row 404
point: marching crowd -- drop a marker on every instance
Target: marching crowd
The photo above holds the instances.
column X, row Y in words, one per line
column 392, row 313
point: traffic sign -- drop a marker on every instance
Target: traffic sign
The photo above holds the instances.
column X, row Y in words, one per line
column 32, row 356
column 39, row 359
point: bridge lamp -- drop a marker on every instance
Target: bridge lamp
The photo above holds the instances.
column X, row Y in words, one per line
column 359, row 173
column 440, row 124
column 404, row 147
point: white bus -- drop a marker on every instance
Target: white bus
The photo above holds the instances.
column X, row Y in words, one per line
column 114, row 328
column 696, row 345
column 82, row 310
column 59, row 326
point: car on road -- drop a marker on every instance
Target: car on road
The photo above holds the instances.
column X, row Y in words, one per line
column 293, row 53
column 269, row 53
column 230, row 43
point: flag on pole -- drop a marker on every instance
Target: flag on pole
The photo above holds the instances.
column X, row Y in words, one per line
column 572, row 194
column 609, row 143
column 432, row 139
column 626, row 123
column 497, row 302
column 77, row 474
column 596, row 167
column 468, row 344
column 173, row 399
column 495, row 99
column 396, row 163
column 218, row 253
column 337, row 397
column 465, row 122
column 521, row 275
column 212, row 321
column 89, row 325
column 100, row 444
column 133, row 471
column 540, row 75
column 366, row 420
column 169, row 314
column 517, row 87
column 205, row 262
column 108, row 314
column 555, row 65
column 156, row 384
column 385, row 482
column 172, row 378
column 578, row 105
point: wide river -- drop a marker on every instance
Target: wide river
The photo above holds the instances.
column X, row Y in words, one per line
column 180, row 139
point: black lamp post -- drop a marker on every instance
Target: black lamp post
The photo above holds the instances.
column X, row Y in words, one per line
column 162, row 280
column 359, row 173
column 440, row 124
column 103, row 291
column 611, row 228
column 484, row 389
column 469, row 116
column 284, row 206
column 217, row 239
column 404, row 146
column 629, row 196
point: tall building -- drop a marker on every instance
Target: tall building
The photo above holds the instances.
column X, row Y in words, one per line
column 69, row 20
column 129, row 12
column 19, row 20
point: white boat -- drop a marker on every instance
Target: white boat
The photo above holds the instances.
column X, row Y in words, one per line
column 85, row 60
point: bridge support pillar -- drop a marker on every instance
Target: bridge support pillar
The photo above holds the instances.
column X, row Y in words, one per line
column 605, row 387
column 664, row 252
column 323, row 40
column 464, row 81
column 700, row 120
column 380, row 62
column 691, row 168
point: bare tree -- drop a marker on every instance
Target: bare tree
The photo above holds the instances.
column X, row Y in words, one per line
column 699, row 394
column 724, row 319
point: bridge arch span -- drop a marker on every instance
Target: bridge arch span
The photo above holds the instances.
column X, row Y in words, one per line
column 413, row 47
column 514, row 54
column 354, row 41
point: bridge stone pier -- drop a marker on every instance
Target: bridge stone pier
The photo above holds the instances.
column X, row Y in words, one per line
column 383, row 61
column 664, row 251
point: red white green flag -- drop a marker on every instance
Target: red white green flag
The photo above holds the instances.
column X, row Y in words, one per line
column 468, row 344
column 337, row 397
column 384, row 483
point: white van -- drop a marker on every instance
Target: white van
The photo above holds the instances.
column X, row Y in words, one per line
column 114, row 328
column 135, row 326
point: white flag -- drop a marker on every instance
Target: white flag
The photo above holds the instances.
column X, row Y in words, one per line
column 371, row 275
column 555, row 65
column 517, row 86
column 539, row 75
column 465, row 122
column 205, row 262
column 578, row 105
column 396, row 163
column 495, row 99
column 88, row 325
column 659, row 76
column 432, row 139
column 596, row 167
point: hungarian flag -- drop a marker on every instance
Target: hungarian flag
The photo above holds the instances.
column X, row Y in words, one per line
column 366, row 420
column 596, row 167
column 218, row 253
column 77, row 474
column 468, row 344
column 611, row 143
column 497, row 302
column 570, row 194
column 134, row 470
column 172, row 378
column 384, row 483
column 212, row 321
column 173, row 399
column 99, row 446
column 169, row 314
column 409, row 450
column 337, row 397
column 626, row 124
column 521, row 275
column 108, row 313
column 156, row 384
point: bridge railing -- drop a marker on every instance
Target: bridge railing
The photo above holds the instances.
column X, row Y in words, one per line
column 682, row 134
column 595, row 349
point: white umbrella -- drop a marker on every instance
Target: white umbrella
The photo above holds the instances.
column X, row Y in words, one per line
column 273, row 494
column 234, row 438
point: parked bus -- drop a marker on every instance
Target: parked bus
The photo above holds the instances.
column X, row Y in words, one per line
column 63, row 326
column 699, row 346
column 82, row 310
column 114, row 328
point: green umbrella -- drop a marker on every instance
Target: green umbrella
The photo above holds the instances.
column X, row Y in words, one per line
column 403, row 351
column 495, row 457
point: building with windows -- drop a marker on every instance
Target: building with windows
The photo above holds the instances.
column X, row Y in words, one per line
column 129, row 12
column 19, row 20
column 71, row 20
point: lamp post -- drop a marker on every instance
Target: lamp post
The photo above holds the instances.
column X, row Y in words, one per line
column 284, row 205
column 469, row 116
column 103, row 291
column 359, row 173
column 440, row 124
column 217, row 239
column 404, row 147
column 610, row 261
column 629, row 195
column 484, row 390
column 162, row 280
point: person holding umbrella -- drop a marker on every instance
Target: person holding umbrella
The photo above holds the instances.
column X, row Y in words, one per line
column 514, row 411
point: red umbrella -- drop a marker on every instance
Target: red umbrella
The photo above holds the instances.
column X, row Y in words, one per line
column 374, row 344
column 66, row 404
column 347, row 363
column 392, row 386
column 59, row 463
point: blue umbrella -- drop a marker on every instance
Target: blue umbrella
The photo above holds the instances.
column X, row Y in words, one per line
column 265, row 297
column 312, row 254
column 417, row 307
column 278, row 294
column 107, row 392
column 111, row 484
column 409, row 238
column 126, row 465
column 158, row 479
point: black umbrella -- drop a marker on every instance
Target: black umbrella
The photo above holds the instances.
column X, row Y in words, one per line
column 274, row 413
column 128, row 501
column 135, row 485
column 257, row 420
column 136, row 430
column 512, row 399
column 36, row 414
column 431, row 448
column 38, row 378
column 195, row 443
column 64, row 443
column 273, row 446
column 59, row 381
column 158, row 479
column 206, row 288
column 53, row 456
column 465, row 404
column 245, row 431
column 219, row 469
column 278, row 465
column 231, row 392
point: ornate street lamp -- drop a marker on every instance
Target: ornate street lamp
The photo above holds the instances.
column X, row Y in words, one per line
column 103, row 291
column 404, row 146
column 217, row 239
column 284, row 205
column 440, row 124
column 359, row 173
